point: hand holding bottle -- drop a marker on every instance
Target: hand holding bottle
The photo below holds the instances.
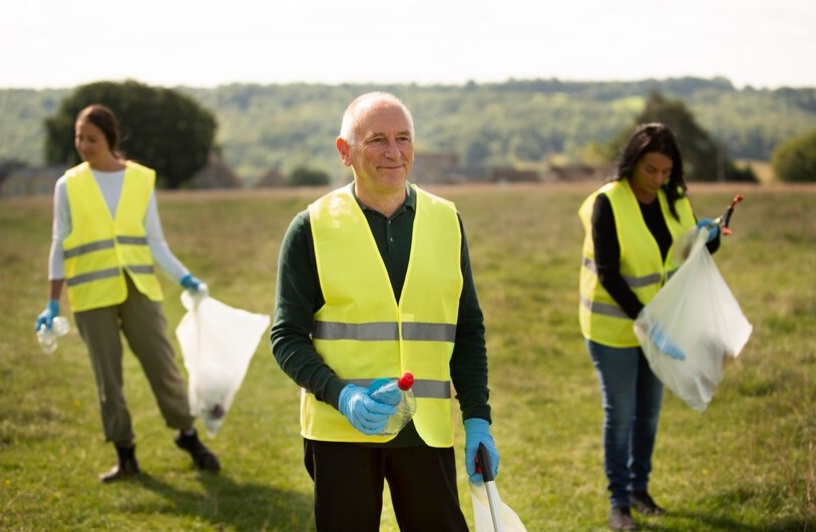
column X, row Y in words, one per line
column 46, row 317
column 47, row 337
column 397, row 393
column 363, row 412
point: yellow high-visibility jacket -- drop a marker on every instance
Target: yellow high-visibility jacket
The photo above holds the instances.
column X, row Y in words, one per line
column 363, row 333
column 100, row 248
column 641, row 265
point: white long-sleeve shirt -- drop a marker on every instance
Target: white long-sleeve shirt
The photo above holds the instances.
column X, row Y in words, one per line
column 110, row 183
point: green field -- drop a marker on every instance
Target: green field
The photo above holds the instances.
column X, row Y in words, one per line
column 747, row 463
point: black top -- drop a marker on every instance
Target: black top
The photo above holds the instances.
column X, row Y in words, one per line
column 607, row 249
column 299, row 296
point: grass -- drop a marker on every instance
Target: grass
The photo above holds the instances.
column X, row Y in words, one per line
column 746, row 463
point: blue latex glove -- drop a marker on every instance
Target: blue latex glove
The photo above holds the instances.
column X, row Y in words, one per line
column 713, row 229
column 47, row 316
column 477, row 430
column 365, row 414
column 194, row 285
column 391, row 396
column 662, row 341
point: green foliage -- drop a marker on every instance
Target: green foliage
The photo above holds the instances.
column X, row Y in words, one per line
column 703, row 158
column 732, row 172
column 795, row 159
column 22, row 126
column 747, row 463
column 515, row 123
column 161, row 128
column 307, row 177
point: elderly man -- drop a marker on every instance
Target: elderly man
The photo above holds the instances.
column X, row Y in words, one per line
column 374, row 280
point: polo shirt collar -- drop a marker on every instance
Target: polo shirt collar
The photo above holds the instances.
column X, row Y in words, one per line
column 410, row 197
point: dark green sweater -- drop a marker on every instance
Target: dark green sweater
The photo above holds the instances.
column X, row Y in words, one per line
column 299, row 296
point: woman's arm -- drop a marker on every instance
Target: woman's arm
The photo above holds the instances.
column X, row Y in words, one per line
column 607, row 257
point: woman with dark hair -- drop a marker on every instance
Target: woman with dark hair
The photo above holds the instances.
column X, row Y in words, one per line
column 106, row 238
column 631, row 225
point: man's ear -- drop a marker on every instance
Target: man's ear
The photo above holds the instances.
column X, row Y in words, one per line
column 343, row 148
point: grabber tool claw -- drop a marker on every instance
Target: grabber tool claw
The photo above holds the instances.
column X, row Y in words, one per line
column 724, row 220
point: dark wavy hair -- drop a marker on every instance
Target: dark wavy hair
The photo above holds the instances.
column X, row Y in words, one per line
column 103, row 118
column 648, row 138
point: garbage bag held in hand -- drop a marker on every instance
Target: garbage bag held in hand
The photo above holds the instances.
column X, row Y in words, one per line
column 482, row 518
column 217, row 342
column 697, row 312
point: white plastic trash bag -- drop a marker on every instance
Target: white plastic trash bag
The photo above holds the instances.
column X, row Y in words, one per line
column 698, row 313
column 217, row 343
column 483, row 519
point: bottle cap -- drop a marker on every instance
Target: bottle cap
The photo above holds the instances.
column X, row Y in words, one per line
column 406, row 381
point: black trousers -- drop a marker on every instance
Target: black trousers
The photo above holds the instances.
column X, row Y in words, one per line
column 349, row 481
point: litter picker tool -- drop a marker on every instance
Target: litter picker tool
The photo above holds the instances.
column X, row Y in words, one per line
column 724, row 220
column 491, row 514
column 490, row 486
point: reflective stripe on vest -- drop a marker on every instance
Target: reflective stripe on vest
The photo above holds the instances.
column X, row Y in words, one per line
column 363, row 333
column 633, row 282
column 100, row 248
column 440, row 332
column 641, row 266
column 421, row 388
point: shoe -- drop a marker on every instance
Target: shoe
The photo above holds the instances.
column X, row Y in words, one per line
column 203, row 458
column 620, row 518
column 126, row 468
column 644, row 504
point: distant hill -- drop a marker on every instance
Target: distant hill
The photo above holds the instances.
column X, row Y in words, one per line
column 521, row 123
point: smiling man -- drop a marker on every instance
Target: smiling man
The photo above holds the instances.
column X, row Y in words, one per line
column 374, row 280
column 379, row 149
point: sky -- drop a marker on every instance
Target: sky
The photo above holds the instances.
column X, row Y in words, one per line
column 206, row 43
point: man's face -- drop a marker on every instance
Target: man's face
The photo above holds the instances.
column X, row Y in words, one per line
column 382, row 152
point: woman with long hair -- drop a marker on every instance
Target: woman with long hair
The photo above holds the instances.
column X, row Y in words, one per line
column 631, row 225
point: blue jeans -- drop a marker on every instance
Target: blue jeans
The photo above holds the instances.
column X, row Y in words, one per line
column 632, row 397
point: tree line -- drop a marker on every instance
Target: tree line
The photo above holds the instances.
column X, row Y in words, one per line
column 522, row 124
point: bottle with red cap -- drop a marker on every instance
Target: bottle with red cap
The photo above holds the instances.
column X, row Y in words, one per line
column 405, row 402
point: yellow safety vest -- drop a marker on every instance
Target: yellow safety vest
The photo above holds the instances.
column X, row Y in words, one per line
column 362, row 333
column 99, row 247
column 641, row 265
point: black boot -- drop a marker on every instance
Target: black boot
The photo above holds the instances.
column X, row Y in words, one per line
column 127, row 466
column 203, row 458
column 643, row 503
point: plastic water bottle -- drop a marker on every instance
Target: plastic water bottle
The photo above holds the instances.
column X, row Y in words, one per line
column 48, row 337
column 406, row 404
